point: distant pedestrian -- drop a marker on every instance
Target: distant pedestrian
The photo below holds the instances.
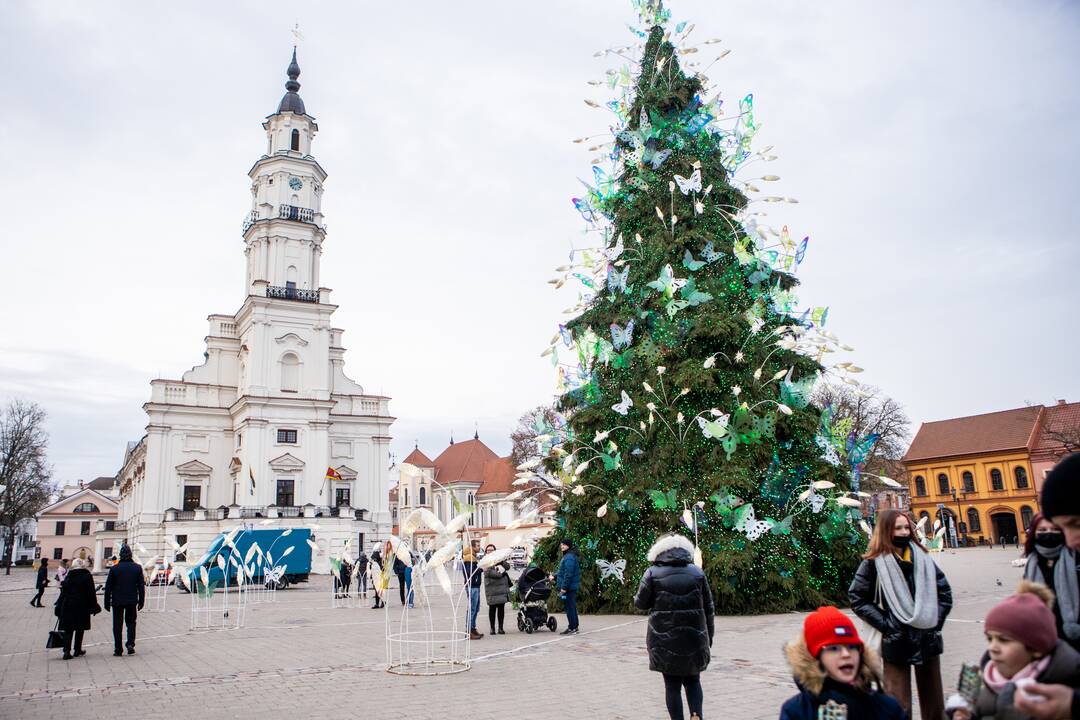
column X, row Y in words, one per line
column 125, row 593
column 831, row 665
column 61, row 572
column 77, row 602
column 681, row 617
column 345, row 577
column 361, row 574
column 901, row 592
column 473, row 577
column 41, row 583
column 568, row 580
column 496, row 591
column 375, row 570
column 399, row 571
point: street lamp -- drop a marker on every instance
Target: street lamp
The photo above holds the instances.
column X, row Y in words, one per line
column 959, row 512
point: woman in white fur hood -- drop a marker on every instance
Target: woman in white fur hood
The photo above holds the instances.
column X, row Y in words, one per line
column 680, row 605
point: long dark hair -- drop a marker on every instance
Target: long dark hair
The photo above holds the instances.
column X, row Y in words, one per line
column 881, row 543
column 1029, row 541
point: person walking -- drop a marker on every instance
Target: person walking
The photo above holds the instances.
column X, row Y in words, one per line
column 361, row 574
column 375, row 569
column 61, row 572
column 681, row 621
column 568, row 580
column 41, row 583
column 496, row 591
column 399, row 570
column 473, row 577
column 125, row 593
column 77, row 602
column 902, row 593
column 1060, row 501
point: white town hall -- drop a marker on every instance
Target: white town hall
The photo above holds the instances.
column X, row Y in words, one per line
column 269, row 427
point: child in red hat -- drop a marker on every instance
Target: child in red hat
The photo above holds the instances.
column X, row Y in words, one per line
column 1023, row 647
column 831, row 665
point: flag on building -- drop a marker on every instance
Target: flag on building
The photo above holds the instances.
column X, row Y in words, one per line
column 332, row 474
column 251, row 474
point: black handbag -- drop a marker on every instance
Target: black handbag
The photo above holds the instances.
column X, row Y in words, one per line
column 56, row 637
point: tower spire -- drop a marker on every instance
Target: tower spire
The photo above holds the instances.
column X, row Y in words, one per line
column 292, row 102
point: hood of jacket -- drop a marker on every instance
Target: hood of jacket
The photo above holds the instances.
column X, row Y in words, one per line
column 811, row 676
column 672, row 550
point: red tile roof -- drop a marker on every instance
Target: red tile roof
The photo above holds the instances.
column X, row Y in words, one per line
column 418, row 459
column 463, row 462
column 997, row 431
column 499, row 476
column 1060, row 417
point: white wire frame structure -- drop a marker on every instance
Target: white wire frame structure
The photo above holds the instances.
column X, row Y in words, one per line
column 158, row 583
column 219, row 604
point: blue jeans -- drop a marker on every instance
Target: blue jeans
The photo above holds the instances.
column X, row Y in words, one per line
column 474, row 607
column 571, row 609
column 408, row 586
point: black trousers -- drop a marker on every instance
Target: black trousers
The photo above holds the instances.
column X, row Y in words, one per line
column 123, row 615
column 496, row 610
column 78, row 634
column 37, row 598
column 673, row 684
column 401, row 586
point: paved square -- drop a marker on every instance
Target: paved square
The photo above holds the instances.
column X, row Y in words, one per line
column 299, row 657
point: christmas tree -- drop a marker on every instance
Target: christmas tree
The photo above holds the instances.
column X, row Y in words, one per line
column 686, row 372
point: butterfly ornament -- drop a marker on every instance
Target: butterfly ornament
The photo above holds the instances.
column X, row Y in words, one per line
column 667, row 283
column 621, row 337
column 690, row 184
column 623, row 406
column 613, row 569
column 750, row 526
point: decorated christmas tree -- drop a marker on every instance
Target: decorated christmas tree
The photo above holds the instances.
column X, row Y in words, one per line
column 686, row 371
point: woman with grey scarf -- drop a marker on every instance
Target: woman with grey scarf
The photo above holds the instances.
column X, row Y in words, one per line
column 900, row 591
column 1051, row 563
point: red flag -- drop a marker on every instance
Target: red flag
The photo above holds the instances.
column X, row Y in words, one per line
column 332, row 474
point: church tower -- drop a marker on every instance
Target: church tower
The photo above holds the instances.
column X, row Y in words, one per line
column 284, row 232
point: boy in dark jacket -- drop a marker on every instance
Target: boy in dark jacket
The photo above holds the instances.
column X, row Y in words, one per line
column 832, row 667
column 125, row 593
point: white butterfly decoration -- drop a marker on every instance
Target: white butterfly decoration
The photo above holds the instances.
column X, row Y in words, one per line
column 817, row 502
column 613, row 569
column 828, row 451
column 692, row 183
column 622, row 337
column 624, row 406
column 751, row 526
column 617, row 280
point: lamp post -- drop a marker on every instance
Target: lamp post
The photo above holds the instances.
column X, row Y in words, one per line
column 959, row 512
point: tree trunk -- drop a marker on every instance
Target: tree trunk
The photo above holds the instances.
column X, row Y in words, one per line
column 9, row 551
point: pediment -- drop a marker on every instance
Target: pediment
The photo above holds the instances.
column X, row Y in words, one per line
column 346, row 472
column 193, row 467
column 287, row 462
column 291, row 338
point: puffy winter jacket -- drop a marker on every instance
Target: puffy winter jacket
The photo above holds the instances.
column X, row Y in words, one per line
column 497, row 584
column 1064, row 669
column 680, row 606
column 569, row 574
column 125, row 585
column 900, row 644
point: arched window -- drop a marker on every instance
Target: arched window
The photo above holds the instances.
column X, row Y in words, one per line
column 471, row 500
column 290, row 372
column 925, row 515
column 969, row 482
column 87, row 507
column 996, row 481
column 405, row 497
column 974, row 525
column 943, row 484
column 920, row 485
column 1021, row 479
column 423, row 495
column 1025, row 517
column 290, row 277
column 295, row 144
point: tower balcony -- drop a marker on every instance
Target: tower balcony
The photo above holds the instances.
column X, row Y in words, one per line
column 249, row 220
column 292, row 293
column 292, row 212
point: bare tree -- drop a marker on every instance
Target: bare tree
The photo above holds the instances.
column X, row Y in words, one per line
column 1067, row 435
column 25, row 475
column 871, row 411
column 523, row 438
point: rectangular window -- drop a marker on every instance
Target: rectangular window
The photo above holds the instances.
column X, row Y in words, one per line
column 181, row 540
column 58, row 554
column 108, row 553
column 341, row 497
column 285, row 493
column 84, row 529
column 60, row 525
column 110, row 525
column 192, row 496
column 286, row 436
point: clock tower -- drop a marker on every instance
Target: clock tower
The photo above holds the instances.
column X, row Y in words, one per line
column 284, row 232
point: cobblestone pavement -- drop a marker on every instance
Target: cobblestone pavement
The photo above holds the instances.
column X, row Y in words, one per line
column 299, row 655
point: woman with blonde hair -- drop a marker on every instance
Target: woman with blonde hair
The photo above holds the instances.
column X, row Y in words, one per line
column 899, row 591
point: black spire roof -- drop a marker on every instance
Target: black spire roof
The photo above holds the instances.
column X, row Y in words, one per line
column 292, row 102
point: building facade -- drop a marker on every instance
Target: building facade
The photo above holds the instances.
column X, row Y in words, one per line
column 78, row 524
column 979, row 475
column 25, row 543
column 269, row 426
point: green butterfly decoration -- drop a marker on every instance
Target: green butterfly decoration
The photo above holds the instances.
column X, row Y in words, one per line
column 783, row 527
column 690, row 263
column 692, row 295
column 622, row 360
column 796, row 395
column 611, row 462
column 663, row 501
column 667, row 283
column 765, row 426
column 461, row 508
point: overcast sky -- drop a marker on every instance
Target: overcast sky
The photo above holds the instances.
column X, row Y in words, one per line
column 933, row 147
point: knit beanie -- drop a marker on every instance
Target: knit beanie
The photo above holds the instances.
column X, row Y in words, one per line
column 1025, row 617
column 828, row 626
column 1061, row 489
column 567, row 542
column 125, row 552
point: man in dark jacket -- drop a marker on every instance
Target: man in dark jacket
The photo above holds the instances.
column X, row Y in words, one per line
column 399, row 570
column 125, row 592
column 42, row 582
column 473, row 578
column 568, row 580
column 361, row 574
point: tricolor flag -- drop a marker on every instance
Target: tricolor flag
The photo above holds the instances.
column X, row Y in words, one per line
column 332, row 474
column 251, row 474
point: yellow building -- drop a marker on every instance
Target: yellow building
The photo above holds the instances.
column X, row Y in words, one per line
column 977, row 468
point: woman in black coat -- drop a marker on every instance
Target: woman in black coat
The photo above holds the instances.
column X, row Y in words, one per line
column 904, row 645
column 680, row 634
column 77, row 602
column 42, row 582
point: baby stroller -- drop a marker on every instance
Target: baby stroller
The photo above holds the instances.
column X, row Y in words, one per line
column 534, row 589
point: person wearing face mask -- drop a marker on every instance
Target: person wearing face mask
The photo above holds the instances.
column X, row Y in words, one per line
column 1052, row 564
column 902, row 593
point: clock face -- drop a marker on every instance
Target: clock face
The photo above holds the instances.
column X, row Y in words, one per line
column 295, row 183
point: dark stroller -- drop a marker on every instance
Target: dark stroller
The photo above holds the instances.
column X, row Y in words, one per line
column 534, row 589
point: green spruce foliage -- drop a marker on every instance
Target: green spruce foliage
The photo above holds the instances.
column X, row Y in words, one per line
column 688, row 406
